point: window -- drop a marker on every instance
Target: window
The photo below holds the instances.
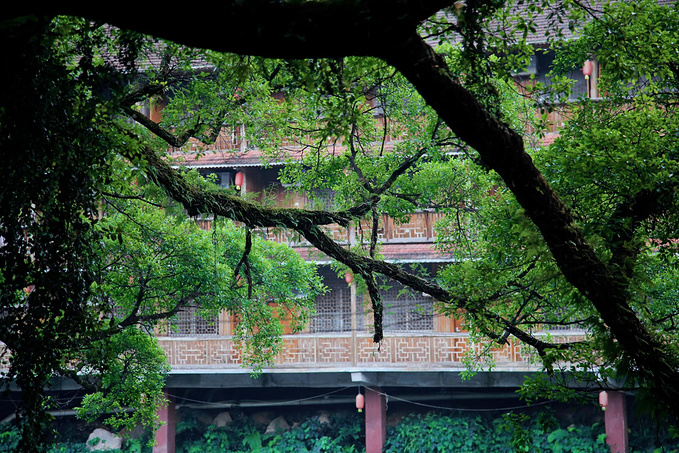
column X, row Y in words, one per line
column 407, row 311
column 581, row 86
column 324, row 199
column 532, row 67
column 333, row 309
column 190, row 323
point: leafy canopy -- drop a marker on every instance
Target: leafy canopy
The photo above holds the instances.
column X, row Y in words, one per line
column 579, row 233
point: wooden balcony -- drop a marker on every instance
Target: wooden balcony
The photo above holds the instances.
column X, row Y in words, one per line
column 322, row 352
column 418, row 229
column 315, row 352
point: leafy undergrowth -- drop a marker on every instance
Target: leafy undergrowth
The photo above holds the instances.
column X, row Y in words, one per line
column 435, row 433
column 431, row 432
column 345, row 434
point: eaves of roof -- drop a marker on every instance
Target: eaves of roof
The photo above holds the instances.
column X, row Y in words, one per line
column 232, row 159
column 400, row 252
column 251, row 157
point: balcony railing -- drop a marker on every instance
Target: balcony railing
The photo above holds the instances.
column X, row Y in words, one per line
column 315, row 352
column 419, row 228
column 398, row 350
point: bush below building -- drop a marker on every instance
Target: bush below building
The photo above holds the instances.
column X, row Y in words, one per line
column 343, row 432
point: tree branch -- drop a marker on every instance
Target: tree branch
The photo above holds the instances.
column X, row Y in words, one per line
column 277, row 29
column 502, row 150
column 177, row 141
column 198, row 200
column 244, row 260
column 627, row 218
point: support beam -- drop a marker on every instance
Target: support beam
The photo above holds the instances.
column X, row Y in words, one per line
column 375, row 420
column 616, row 422
column 165, row 435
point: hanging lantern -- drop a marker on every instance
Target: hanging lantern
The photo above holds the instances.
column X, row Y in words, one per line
column 603, row 400
column 238, row 180
column 587, row 69
column 348, row 277
column 360, row 402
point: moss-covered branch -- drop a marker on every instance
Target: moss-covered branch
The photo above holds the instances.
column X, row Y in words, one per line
column 198, row 200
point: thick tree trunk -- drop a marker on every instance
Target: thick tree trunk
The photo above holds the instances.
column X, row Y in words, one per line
column 502, row 150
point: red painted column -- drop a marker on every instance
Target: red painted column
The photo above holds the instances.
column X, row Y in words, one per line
column 616, row 422
column 375, row 420
column 165, row 434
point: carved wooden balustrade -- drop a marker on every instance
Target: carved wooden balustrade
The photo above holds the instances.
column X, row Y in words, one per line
column 315, row 351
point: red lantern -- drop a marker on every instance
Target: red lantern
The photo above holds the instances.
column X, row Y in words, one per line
column 238, row 180
column 348, row 277
column 360, row 402
column 603, row 400
column 587, row 69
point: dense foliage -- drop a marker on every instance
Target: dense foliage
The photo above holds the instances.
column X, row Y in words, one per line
column 432, row 432
column 577, row 233
column 94, row 259
column 343, row 433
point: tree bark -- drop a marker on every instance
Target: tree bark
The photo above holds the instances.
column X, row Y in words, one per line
column 502, row 150
column 269, row 28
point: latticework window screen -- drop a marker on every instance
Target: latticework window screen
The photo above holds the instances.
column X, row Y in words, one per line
column 404, row 311
column 333, row 309
column 189, row 322
column 407, row 311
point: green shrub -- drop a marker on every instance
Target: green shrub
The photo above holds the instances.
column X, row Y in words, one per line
column 429, row 433
column 9, row 437
column 343, row 435
column 438, row 433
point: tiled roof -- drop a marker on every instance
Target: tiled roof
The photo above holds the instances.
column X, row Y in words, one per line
column 219, row 157
column 231, row 158
column 545, row 24
column 548, row 20
column 548, row 23
column 414, row 252
column 546, row 27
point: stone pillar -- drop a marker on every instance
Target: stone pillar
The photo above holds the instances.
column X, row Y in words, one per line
column 166, row 433
column 375, row 420
column 616, row 422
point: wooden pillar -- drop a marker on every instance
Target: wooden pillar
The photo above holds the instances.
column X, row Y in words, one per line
column 166, row 433
column 375, row 420
column 616, row 422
